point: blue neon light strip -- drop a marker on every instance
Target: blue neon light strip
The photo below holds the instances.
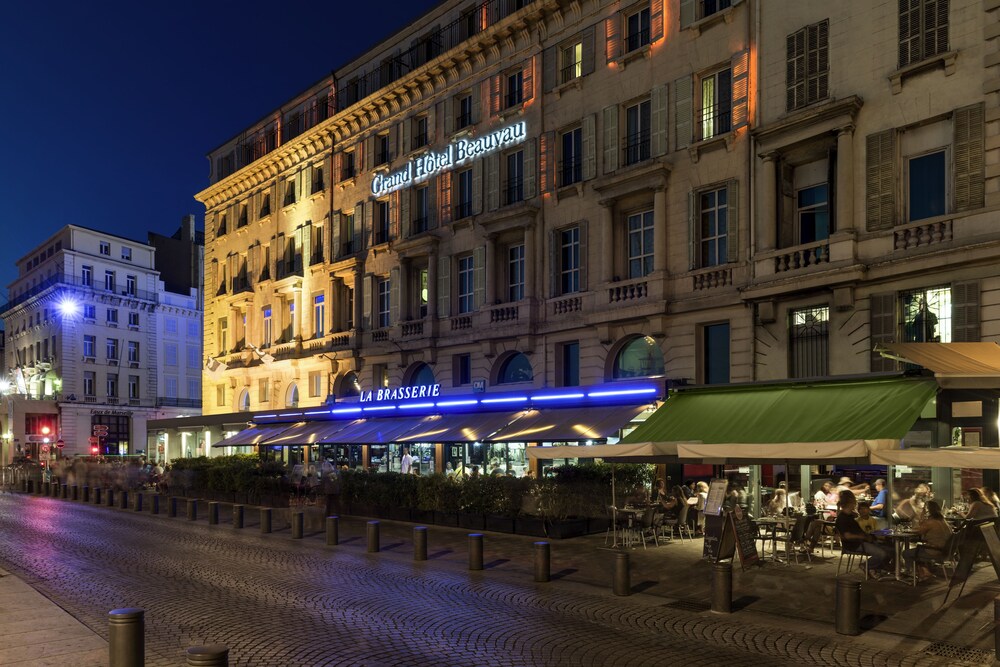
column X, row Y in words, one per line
column 508, row 399
column 621, row 392
column 290, row 414
column 265, row 416
column 454, row 404
column 345, row 411
column 379, row 408
column 416, row 406
column 317, row 412
column 558, row 397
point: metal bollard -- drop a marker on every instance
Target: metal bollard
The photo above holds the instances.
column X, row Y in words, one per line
column 97, row 495
column 138, row 502
column 126, row 638
column 172, row 507
column 543, row 562
column 475, row 551
column 123, row 500
column 996, row 625
column 192, row 509
column 722, row 587
column 75, row 493
column 297, row 520
column 65, row 491
column 86, row 493
column 208, row 656
column 237, row 516
column 265, row 519
column 420, row 543
column 109, row 498
column 332, row 530
column 848, row 606
column 213, row 513
column 621, row 583
column 373, row 537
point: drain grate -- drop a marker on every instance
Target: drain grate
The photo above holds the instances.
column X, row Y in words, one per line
column 688, row 605
column 956, row 652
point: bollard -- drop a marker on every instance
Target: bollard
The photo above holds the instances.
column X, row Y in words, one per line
column 848, row 606
column 25, row 486
column 75, row 493
column 722, row 587
column 265, row 519
column 86, row 493
column 123, row 500
column 126, row 638
column 475, row 551
column 297, row 520
column 44, row 488
column 373, row 537
column 97, row 495
column 213, row 513
column 138, row 502
column 332, row 530
column 237, row 516
column 420, row 543
column 155, row 504
column 65, row 491
column 996, row 625
column 622, row 575
column 192, row 509
column 109, row 497
column 543, row 569
column 172, row 507
column 208, row 656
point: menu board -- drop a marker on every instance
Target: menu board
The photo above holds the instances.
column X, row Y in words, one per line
column 736, row 536
column 716, row 496
column 746, row 537
column 713, row 537
column 989, row 531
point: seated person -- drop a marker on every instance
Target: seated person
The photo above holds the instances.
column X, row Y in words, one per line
column 777, row 504
column 815, row 529
column 980, row 506
column 867, row 522
column 854, row 538
column 935, row 532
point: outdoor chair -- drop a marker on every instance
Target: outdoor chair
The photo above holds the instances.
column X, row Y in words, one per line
column 851, row 554
column 647, row 529
column 794, row 540
column 681, row 523
column 948, row 558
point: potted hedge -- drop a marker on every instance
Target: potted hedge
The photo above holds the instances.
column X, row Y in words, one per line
column 448, row 501
column 473, row 502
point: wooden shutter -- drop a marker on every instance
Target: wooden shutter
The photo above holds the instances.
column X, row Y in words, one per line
column 692, row 230
column 477, row 187
column 528, row 79
column 369, row 226
column 359, row 157
column 733, row 223
column 431, row 119
column 880, row 180
column 338, row 167
column 909, row 32
column 655, row 20
column 492, row 180
column 550, row 68
column 444, row 198
column 359, row 212
column 336, row 242
column 740, row 64
column 394, row 296
column 612, row 37
column 366, row 302
column 432, row 208
column 658, row 120
column 479, row 276
column 449, row 116
column 935, row 36
column 530, row 169
column 584, row 256
column 554, row 264
column 496, row 94
column 818, row 62
column 969, row 175
column 404, row 137
column 795, row 70
column 589, row 146
column 546, row 161
column 444, row 287
column 587, row 38
column 404, row 219
column 965, row 312
column 396, row 219
column 688, row 13
column 882, row 328
column 610, row 138
column 477, row 100
column 683, row 110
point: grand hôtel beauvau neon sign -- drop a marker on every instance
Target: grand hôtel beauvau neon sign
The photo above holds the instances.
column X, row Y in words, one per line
column 457, row 153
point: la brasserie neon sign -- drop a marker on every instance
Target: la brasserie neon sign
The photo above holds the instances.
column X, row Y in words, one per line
column 457, row 153
column 401, row 393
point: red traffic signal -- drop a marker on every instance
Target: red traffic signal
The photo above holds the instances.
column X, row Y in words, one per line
column 60, row 443
column 94, row 450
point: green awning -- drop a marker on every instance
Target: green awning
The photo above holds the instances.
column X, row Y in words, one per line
column 858, row 412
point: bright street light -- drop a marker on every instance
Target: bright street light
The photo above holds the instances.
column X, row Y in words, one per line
column 68, row 306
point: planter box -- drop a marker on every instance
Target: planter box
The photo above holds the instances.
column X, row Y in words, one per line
column 446, row 518
column 499, row 524
column 598, row 525
column 400, row 514
column 361, row 509
column 565, row 528
column 422, row 516
column 472, row 520
column 531, row 526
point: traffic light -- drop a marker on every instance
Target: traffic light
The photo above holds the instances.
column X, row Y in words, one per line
column 94, row 450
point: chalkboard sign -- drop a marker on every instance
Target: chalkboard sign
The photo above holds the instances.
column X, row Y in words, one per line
column 746, row 537
column 989, row 531
column 713, row 537
column 716, row 496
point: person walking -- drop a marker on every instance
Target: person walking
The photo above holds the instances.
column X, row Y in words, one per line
column 406, row 463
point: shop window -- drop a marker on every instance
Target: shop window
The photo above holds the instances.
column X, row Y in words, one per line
column 641, row 357
column 515, row 369
column 809, row 342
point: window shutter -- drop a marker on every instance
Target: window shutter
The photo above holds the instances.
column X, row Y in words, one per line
column 909, row 32
column 819, row 38
column 479, row 276
column 444, row 287
column 530, row 169
column 335, row 234
column 795, row 70
column 360, row 154
column 554, row 265
column 431, row 119
column 449, row 116
column 546, row 161
column 584, row 256
column 587, row 51
column 589, row 146
column 359, row 212
column 935, row 36
column 404, row 137
column 969, row 175
column 477, row 100
column 477, row 187
column 366, row 303
column 251, row 263
column 369, row 228
column 612, row 37
column 444, row 197
column 610, row 138
column 965, row 312
column 492, row 168
column 733, row 223
column 655, row 20
column 432, row 209
column 528, row 79
column 396, row 214
column 550, row 68
column 882, row 325
column 741, row 89
column 394, row 296
column 683, row 90
column 880, row 180
column 688, row 13
column 692, row 230
column 496, row 94
column 658, row 120
column 403, row 219
column 338, row 166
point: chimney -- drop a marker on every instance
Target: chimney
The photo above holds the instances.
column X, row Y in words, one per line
column 187, row 228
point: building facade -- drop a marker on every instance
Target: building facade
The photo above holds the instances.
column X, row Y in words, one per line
column 85, row 352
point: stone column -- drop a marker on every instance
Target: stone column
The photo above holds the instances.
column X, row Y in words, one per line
column 660, row 229
column 297, row 315
column 335, row 299
column 767, row 228
column 844, row 205
column 607, row 240
column 235, row 328
column 490, row 270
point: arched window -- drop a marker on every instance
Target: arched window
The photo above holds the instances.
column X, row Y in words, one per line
column 421, row 376
column 292, row 397
column 349, row 385
column 244, row 405
column 515, row 369
column 640, row 357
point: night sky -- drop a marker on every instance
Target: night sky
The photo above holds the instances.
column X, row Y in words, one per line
column 107, row 109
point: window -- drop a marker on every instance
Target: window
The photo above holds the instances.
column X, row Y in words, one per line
column 637, row 132
column 223, row 329
column 422, row 291
column 383, row 303
column 244, row 218
column 571, row 62
column 381, row 222
column 317, row 179
column 571, row 166
column 462, row 369
column 463, row 208
column 265, row 205
column 289, row 192
column 640, row 244
column 808, row 342
column 130, row 285
column 382, row 149
column 263, row 390
column 515, row 89
column 923, row 30
column 347, row 165
column 109, row 280
column 133, row 320
column 569, row 260
column 515, row 273
column 637, row 29
column 170, row 326
column 90, row 346
column 89, row 383
column 315, row 384
column 319, row 316
column 133, row 352
column 716, row 103
column 420, row 209
column 133, row 387
column 381, row 375
column 193, row 328
column 515, row 369
column 126, row 253
column 170, row 354
column 112, row 385
column 423, row 376
column 90, row 312
column 220, row 395
column 464, row 118
column 715, row 351
column 192, row 357
column 466, row 273
column 640, row 357
column 513, row 189
column 105, row 248
column 926, row 315
column 266, row 342
column 812, row 213
column 111, row 316
column 347, row 234
column 807, row 71
column 420, row 138
column 87, row 276
column 292, row 397
column 927, row 185
column 290, row 323
column 111, row 347
column 569, row 362
column 713, row 218
column 708, row 7
column 220, row 229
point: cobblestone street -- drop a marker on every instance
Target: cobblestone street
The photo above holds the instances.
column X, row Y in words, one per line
column 278, row 601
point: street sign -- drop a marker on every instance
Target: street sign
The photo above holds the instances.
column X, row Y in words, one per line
column 45, row 448
column 60, row 443
column 479, row 386
column 93, row 440
column 100, row 429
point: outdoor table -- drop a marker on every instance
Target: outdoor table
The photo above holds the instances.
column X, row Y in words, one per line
column 630, row 514
column 900, row 538
column 771, row 523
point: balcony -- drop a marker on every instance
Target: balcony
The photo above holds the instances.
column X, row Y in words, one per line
column 512, row 192
column 711, row 278
column 461, row 322
column 419, row 226
column 504, row 314
column 803, row 256
column 63, row 279
column 570, row 171
column 419, row 141
column 348, row 248
column 921, row 234
column 637, row 148
column 162, row 401
column 628, row 292
column 289, row 267
column 568, row 304
column 462, row 210
column 412, row 329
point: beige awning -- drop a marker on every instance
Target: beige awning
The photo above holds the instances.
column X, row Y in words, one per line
column 642, row 452
column 955, row 365
column 944, row 457
column 784, row 451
